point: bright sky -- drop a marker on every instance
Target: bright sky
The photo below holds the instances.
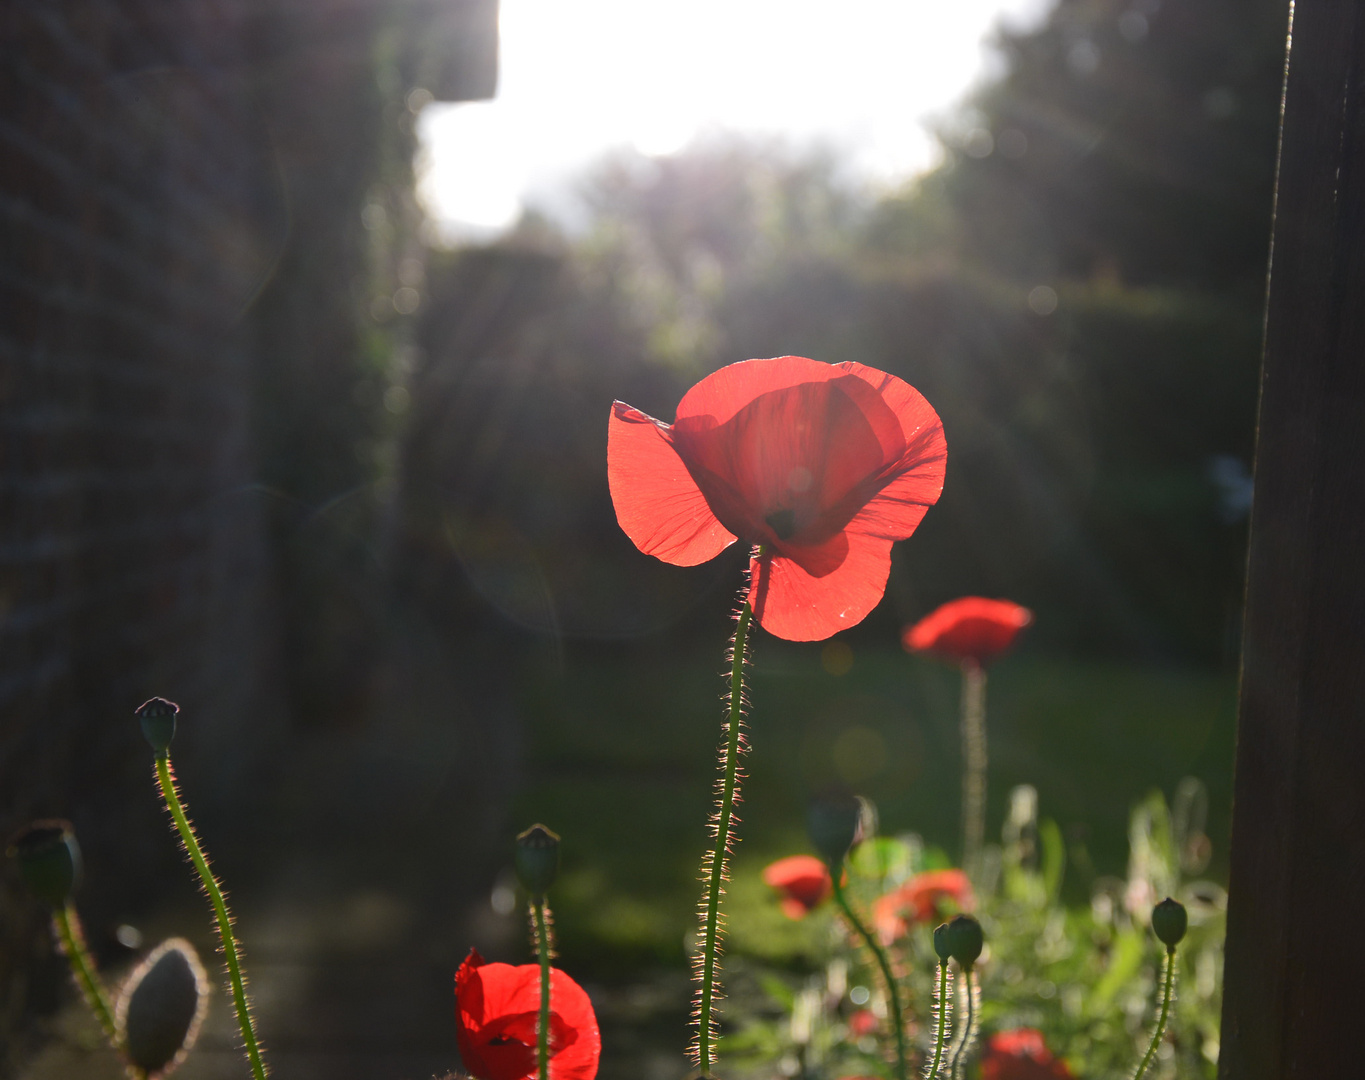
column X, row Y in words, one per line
column 582, row 77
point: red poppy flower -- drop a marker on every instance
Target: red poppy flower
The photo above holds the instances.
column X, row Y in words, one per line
column 920, row 900
column 496, row 1010
column 803, row 881
column 862, row 1022
column 825, row 465
column 971, row 629
column 1021, row 1054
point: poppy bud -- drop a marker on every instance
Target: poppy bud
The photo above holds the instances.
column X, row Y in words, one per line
column 832, row 820
column 942, row 946
column 964, row 939
column 49, row 860
column 158, row 722
column 1169, row 922
column 537, row 859
column 161, row 1007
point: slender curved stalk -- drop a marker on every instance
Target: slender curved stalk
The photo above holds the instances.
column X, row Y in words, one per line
column 1166, row 993
column 893, row 995
column 166, row 779
column 68, row 926
column 538, row 908
column 968, row 1029
column 715, row 869
column 945, row 1010
column 974, row 762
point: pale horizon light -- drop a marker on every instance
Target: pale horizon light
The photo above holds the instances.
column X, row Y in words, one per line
column 578, row 80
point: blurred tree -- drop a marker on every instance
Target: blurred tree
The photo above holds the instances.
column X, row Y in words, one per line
column 1077, row 289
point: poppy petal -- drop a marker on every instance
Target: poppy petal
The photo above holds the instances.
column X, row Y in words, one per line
column 497, row 1007
column 916, row 476
column 658, row 504
column 725, row 392
column 791, row 602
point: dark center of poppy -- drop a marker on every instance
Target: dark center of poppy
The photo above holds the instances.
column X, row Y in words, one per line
column 782, row 523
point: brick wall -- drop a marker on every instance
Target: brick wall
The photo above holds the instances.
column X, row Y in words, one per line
column 149, row 275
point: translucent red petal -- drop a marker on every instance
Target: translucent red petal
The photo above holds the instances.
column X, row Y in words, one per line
column 658, row 504
column 497, row 1006
column 792, row 602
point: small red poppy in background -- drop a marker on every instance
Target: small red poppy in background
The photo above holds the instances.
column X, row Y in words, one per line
column 824, row 465
column 803, row 881
column 971, row 629
column 920, row 900
column 1021, row 1054
column 862, row 1022
column 496, row 1009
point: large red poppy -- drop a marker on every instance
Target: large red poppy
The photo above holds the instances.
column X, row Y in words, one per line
column 921, row 900
column 970, row 629
column 825, row 465
column 803, row 881
column 496, row 1010
column 1021, row 1054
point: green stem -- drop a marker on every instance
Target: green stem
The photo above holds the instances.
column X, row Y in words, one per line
column 968, row 1029
column 68, row 925
column 944, row 1011
column 1166, row 993
column 974, row 761
column 543, row 952
column 898, row 1023
column 215, row 894
column 716, row 875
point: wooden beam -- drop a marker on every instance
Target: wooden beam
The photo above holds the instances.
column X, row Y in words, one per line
column 1295, row 970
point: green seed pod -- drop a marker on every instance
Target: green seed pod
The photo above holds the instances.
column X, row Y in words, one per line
column 158, row 723
column 49, row 860
column 832, row 819
column 964, row 940
column 537, row 859
column 941, row 942
column 1169, row 922
column 161, row 1007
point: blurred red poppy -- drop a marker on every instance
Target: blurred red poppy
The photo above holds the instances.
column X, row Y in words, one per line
column 496, row 1009
column 803, row 881
column 825, row 465
column 862, row 1022
column 971, row 629
column 920, row 900
column 1021, row 1054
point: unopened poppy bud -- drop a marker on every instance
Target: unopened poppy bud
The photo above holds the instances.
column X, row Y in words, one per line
column 1169, row 922
column 537, row 859
column 158, row 722
column 941, row 943
column 161, row 1007
column 49, row 860
column 832, row 820
column 964, row 939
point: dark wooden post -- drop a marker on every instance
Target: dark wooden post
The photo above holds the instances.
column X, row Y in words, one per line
column 1295, row 974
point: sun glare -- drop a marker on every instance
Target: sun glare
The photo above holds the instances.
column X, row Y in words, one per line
column 863, row 76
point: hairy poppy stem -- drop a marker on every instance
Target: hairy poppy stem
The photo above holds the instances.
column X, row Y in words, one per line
column 715, row 873
column 166, row 780
column 1167, row 992
column 893, row 995
column 973, row 767
column 541, row 916
column 968, row 1035
column 945, row 1011
column 68, row 926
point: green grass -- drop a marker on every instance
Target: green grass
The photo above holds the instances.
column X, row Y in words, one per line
column 622, row 759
